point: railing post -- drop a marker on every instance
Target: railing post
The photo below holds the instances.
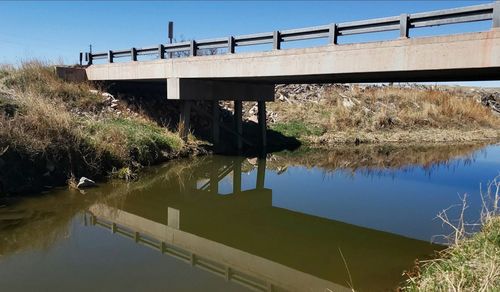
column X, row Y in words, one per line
column 404, row 28
column 161, row 51
column 496, row 14
column 192, row 48
column 276, row 40
column 333, row 33
column 88, row 58
column 110, row 56
column 230, row 45
column 133, row 53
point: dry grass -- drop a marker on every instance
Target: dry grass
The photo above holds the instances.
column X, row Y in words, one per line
column 383, row 110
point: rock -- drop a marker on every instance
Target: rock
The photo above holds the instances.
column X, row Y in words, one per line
column 347, row 103
column 108, row 96
column 85, row 183
column 253, row 119
column 253, row 161
column 50, row 166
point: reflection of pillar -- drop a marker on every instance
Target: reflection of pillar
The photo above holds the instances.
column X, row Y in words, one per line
column 261, row 173
column 215, row 123
column 185, row 119
column 214, row 182
column 173, row 218
column 238, row 122
column 236, row 177
column 262, row 123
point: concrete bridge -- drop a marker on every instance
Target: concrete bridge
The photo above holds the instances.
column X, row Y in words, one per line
column 184, row 71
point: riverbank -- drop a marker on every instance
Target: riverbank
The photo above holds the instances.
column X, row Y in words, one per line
column 52, row 131
column 472, row 262
column 327, row 115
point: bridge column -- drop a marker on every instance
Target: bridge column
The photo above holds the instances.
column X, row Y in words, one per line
column 215, row 123
column 237, row 176
column 238, row 123
column 185, row 120
column 262, row 123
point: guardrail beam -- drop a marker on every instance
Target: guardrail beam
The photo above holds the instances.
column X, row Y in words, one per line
column 403, row 23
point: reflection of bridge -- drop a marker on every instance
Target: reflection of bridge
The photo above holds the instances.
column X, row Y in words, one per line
column 232, row 264
column 245, row 232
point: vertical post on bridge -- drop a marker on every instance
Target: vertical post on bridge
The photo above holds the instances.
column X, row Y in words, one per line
column 215, row 124
column 262, row 123
column 133, row 54
column 276, row 40
column 230, row 45
column 110, row 56
column 161, row 51
column 238, row 123
column 192, row 48
column 185, row 119
column 496, row 15
column 404, row 28
column 333, row 34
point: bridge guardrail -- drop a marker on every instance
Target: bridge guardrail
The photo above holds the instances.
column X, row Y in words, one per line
column 404, row 23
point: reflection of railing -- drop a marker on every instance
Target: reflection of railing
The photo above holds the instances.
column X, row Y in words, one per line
column 234, row 168
column 402, row 23
column 228, row 273
column 252, row 271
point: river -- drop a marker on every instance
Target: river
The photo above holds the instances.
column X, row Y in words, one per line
column 304, row 221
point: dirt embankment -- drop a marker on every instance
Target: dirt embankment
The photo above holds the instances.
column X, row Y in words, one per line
column 52, row 131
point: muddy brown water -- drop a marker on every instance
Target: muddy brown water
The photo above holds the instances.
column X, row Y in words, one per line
column 304, row 221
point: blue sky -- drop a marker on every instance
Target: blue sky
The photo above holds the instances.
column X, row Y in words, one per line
column 58, row 30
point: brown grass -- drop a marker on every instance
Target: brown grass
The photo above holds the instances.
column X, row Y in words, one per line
column 388, row 109
column 45, row 118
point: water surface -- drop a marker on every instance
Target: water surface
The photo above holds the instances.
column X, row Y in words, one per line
column 306, row 221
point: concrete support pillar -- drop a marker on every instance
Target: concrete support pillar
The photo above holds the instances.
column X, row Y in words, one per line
column 261, row 173
column 238, row 123
column 262, row 123
column 215, row 123
column 237, row 176
column 185, row 120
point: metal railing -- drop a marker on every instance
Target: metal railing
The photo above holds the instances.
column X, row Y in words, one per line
column 333, row 31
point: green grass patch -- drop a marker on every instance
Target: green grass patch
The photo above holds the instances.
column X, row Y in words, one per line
column 131, row 140
column 298, row 129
